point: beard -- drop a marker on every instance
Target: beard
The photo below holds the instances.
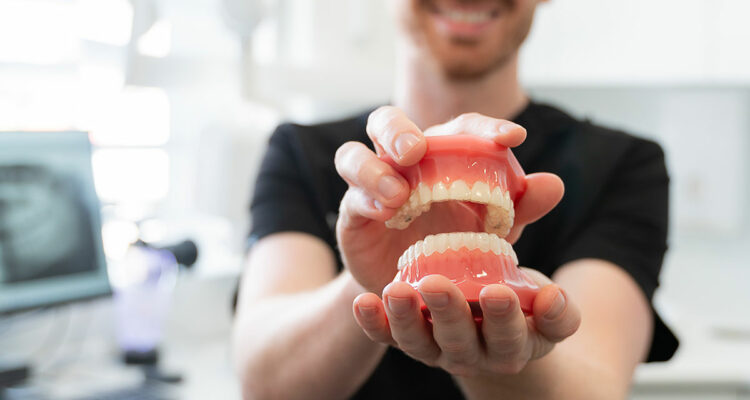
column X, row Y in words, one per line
column 465, row 60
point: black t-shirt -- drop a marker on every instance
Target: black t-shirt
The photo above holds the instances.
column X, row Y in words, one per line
column 615, row 208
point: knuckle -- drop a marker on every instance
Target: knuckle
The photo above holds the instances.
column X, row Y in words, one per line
column 509, row 340
column 421, row 353
column 369, row 171
column 461, row 354
column 459, row 369
column 410, row 344
column 511, row 367
column 506, row 347
column 455, row 347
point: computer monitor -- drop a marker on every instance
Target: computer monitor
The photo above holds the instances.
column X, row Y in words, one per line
column 50, row 226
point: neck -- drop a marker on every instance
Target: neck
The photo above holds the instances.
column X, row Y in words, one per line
column 429, row 97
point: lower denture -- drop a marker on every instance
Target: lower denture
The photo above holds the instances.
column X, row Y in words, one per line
column 471, row 261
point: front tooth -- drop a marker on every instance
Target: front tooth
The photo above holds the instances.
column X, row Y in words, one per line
column 470, row 240
column 441, row 243
column 495, row 245
column 439, row 192
column 497, row 196
column 460, row 190
column 480, row 193
column 484, row 242
column 454, row 241
column 425, row 194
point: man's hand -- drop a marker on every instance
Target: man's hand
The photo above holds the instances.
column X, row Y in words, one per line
column 506, row 341
column 368, row 249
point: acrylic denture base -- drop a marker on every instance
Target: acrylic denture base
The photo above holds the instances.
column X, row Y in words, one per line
column 477, row 170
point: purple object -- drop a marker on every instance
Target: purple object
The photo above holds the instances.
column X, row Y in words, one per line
column 143, row 287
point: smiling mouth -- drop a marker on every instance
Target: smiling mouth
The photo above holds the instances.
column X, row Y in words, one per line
column 463, row 12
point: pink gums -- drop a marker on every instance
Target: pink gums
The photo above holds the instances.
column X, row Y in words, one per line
column 471, row 270
column 469, row 158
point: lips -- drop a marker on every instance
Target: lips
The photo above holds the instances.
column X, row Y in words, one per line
column 462, row 18
column 465, row 168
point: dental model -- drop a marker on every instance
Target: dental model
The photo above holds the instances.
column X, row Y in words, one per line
column 465, row 168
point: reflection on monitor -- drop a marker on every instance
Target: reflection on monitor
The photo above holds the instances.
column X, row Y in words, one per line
column 50, row 229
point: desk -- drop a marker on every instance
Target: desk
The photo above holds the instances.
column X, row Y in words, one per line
column 74, row 351
column 197, row 345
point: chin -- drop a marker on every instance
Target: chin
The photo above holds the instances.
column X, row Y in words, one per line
column 469, row 39
column 458, row 65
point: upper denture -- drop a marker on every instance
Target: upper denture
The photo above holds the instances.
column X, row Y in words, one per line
column 463, row 168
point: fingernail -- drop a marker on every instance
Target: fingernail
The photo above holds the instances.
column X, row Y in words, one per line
column 399, row 305
column 436, row 300
column 404, row 142
column 498, row 306
column 507, row 128
column 557, row 307
column 367, row 311
column 389, row 187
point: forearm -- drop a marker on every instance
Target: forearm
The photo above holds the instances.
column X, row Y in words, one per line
column 304, row 345
column 561, row 374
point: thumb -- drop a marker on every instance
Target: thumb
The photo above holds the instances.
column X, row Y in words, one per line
column 543, row 192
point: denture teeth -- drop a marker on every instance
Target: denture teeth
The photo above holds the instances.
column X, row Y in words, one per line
column 440, row 243
column 460, row 191
column 414, row 200
column 480, row 193
column 419, row 248
column 425, row 194
column 496, row 197
column 456, row 241
column 484, row 242
column 500, row 213
column 429, row 245
column 440, row 192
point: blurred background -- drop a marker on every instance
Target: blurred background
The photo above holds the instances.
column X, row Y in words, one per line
column 179, row 97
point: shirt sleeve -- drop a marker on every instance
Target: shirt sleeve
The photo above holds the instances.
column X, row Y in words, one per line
column 284, row 199
column 629, row 228
column 628, row 225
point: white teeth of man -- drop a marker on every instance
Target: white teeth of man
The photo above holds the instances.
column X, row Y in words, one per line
column 500, row 211
column 440, row 243
column 468, row 17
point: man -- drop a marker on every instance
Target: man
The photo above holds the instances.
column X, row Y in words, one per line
column 317, row 317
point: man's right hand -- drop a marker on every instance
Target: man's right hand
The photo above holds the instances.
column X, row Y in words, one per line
column 376, row 190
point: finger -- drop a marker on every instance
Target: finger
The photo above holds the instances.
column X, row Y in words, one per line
column 394, row 134
column 453, row 328
column 501, row 131
column 504, row 329
column 357, row 208
column 555, row 316
column 360, row 167
column 370, row 315
column 543, row 192
column 408, row 327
